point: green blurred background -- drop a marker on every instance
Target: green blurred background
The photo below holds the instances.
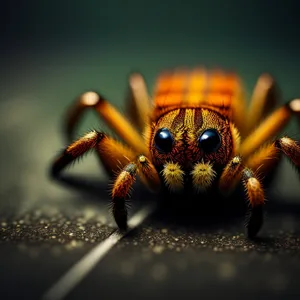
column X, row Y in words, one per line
column 63, row 47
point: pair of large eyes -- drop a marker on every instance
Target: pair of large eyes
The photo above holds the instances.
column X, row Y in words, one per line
column 209, row 141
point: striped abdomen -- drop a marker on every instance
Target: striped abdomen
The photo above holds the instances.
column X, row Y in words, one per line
column 198, row 88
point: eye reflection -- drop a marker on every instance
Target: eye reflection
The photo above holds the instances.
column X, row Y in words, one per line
column 164, row 140
column 210, row 140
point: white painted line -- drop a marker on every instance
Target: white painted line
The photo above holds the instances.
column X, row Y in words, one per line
column 68, row 281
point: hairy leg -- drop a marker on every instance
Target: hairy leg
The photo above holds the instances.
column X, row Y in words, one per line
column 264, row 159
column 263, row 100
column 113, row 154
column 235, row 172
column 268, row 129
column 256, row 198
column 239, row 106
column 261, row 161
column 124, row 182
column 231, row 175
column 267, row 156
column 109, row 114
column 138, row 102
column 291, row 149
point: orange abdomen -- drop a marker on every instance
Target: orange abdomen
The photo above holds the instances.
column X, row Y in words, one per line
column 197, row 88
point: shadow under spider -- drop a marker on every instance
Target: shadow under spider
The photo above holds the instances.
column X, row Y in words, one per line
column 205, row 213
column 85, row 185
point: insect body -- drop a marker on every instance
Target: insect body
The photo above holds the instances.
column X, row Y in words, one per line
column 196, row 131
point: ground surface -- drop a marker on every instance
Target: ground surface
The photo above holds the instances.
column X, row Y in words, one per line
column 163, row 257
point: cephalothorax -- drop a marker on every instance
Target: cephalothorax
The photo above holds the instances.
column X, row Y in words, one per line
column 196, row 128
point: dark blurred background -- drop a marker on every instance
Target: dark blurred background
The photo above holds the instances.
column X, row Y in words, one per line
column 52, row 51
column 71, row 46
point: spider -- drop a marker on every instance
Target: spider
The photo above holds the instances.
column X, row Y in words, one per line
column 196, row 131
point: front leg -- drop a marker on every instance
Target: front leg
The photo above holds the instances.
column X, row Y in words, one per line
column 124, row 183
column 234, row 172
column 120, row 193
column 256, row 197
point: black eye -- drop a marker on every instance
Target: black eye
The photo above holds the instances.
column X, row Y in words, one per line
column 164, row 140
column 210, row 140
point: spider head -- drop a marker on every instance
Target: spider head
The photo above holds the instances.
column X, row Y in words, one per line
column 192, row 144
